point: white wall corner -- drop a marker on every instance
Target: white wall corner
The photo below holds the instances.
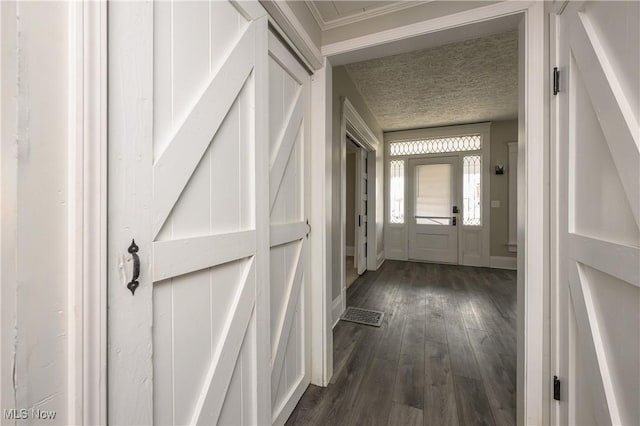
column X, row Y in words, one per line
column 380, row 260
column 503, row 262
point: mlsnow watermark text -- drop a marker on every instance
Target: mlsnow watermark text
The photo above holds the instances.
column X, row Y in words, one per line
column 28, row 414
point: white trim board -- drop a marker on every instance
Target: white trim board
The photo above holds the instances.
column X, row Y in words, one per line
column 321, row 222
column 87, row 249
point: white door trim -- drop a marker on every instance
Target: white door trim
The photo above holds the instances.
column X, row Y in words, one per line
column 533, row 208
column 321, row 226
column 353, row 124
column 87, row 244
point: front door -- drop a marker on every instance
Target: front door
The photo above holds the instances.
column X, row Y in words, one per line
column 596, row 310
column 433, row 230
column 189, row 182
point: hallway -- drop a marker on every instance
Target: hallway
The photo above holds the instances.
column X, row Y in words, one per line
column 445, row 354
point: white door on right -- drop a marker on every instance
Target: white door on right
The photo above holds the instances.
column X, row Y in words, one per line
column 361, row 191
column 596, row 309
column 433, row 231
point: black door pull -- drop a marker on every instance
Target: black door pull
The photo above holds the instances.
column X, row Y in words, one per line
column 133, row 284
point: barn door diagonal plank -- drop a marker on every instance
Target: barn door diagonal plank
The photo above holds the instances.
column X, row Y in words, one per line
column 214, row 388
column 286, row 233
column 285, row 146
column 293, row 295
column 178, row 257
column 614, row 112
column 617, row 260
column 176, row 163
column 605, row 406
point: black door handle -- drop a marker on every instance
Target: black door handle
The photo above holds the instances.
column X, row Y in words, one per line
column 453, row 221
column 133, row 284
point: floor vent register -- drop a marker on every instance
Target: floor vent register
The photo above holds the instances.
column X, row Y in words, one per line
column 363, row 316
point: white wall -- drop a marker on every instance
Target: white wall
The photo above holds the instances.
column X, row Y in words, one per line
column 35, row 208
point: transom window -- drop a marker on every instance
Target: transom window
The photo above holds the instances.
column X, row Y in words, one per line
column 436, row 145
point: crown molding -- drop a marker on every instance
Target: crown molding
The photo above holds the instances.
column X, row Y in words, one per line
column 405, row 32
column 288, row 24
column 360, row 16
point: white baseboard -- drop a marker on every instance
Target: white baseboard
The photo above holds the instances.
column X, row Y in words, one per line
column 336, row 309
column 380, row 260
column 472, row 260
column 349, row 251
column 503, row 262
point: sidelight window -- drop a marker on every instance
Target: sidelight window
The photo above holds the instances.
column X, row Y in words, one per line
column 396, row 193
column 471, row 190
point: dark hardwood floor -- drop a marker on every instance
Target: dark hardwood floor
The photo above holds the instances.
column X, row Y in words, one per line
column 445, row 354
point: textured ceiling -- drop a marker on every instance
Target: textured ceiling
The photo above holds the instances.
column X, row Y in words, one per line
column 465, row 82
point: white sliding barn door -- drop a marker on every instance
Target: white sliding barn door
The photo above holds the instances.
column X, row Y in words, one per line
column 188, row 179
column 597, row 298
column 289, row 91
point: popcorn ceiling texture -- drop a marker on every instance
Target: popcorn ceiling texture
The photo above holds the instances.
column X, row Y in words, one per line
column 465, row 82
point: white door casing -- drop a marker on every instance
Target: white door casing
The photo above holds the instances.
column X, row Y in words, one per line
column 429, row 241
column 596, row 299
column 361, row 210
column 289, row 106
column 188, row 178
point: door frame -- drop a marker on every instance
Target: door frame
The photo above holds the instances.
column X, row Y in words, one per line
column 533, row 389
column 87, row 248
column 533, row 208
column 353, row 124
column 484, row 130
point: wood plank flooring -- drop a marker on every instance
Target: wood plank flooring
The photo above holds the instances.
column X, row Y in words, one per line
column 445, row 354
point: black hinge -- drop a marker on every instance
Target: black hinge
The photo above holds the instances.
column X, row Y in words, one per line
column 556, row 81
column 556, row 388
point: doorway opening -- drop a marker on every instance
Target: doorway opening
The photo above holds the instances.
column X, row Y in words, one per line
column 353, row 214
column 515, row 23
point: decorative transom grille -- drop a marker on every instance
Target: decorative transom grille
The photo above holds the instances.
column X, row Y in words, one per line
column 472, row 190
column 436, row 145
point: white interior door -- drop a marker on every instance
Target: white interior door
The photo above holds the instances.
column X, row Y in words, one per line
column 597, row 298
column 361, row 211
column 188, row 176
column 433, row 230
column 289, row 94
